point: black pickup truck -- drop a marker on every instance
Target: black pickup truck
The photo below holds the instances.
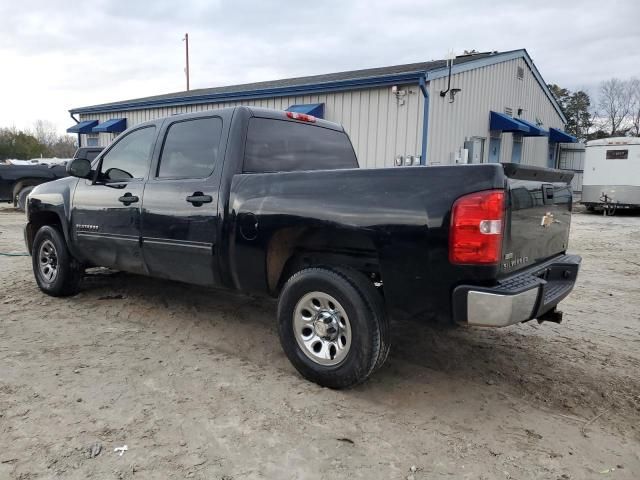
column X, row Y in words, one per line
column 273, row 203
column 17, row 181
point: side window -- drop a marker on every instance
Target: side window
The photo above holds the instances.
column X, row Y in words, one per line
column 130, row 157
column 190, row 148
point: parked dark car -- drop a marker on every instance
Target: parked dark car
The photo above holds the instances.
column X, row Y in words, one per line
column 273, row 203
column 17, row 181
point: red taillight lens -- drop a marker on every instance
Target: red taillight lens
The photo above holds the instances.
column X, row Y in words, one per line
column 303, row 117
column 476, row 230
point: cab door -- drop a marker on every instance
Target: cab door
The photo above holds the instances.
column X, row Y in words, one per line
column 105, row 215
column 180, row 206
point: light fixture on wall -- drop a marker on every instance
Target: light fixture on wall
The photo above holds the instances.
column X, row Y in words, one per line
column 451, row 91
column 399, row 94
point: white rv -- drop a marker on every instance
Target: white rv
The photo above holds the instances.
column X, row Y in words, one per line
column 612, row 174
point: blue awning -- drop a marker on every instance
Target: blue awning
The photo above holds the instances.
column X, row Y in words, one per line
column 115, row 125
column 504, row 123
column 558, row 136
column 534, row 130
column 315, row 109
column 83, row 127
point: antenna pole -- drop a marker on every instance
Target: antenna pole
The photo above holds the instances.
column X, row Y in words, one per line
column 186, row 69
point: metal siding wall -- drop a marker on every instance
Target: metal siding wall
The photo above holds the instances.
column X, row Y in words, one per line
column 484, row 89
column 379, row 127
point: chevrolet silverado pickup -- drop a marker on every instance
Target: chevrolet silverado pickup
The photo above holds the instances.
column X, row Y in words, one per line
column 273, row 204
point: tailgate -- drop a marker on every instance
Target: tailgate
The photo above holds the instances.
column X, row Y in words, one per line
column 538, row 216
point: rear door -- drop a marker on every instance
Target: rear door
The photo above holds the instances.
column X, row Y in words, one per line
column 538, row 216
column 105, row 215
column 180, row 206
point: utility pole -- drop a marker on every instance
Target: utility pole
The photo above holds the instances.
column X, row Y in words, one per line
column 186, row 69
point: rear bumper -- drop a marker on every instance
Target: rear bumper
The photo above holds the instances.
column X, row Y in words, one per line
column 527, row 295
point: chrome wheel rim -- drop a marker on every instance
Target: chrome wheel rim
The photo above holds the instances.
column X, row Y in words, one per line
column 322, row 329
column 48, row 261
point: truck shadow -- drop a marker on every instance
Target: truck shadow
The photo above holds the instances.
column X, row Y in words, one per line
column 524, row 362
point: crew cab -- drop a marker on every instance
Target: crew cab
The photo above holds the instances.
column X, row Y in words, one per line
column 273, row 203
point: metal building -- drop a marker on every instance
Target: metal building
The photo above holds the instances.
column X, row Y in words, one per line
column 480, row 107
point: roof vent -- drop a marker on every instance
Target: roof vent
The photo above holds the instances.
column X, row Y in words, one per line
column 471, row 53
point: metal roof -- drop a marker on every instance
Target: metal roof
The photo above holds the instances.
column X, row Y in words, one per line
column 349, row 80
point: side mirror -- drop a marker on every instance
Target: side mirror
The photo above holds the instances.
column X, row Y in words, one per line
column 79, row 167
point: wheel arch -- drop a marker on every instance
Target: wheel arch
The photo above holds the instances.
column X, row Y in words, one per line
column 39, row 219
column 294, row 248
column 26, row 182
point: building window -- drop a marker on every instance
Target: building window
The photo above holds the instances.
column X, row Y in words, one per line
column 93, row 140
column 520, row 73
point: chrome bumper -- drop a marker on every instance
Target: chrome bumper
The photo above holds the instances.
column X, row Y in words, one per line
column 525, row 296
column 494, row 310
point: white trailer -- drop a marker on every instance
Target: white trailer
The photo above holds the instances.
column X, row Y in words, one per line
column 612, row 174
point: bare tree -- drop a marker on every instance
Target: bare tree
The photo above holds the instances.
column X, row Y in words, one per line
column 45, row 132
column 615, row 104
column 64, row 147
column 634, row 89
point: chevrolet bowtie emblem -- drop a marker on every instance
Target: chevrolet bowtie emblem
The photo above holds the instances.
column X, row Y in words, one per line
column 547, row 220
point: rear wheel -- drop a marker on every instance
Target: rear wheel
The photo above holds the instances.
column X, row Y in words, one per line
column 330, row 327
column 57, row 273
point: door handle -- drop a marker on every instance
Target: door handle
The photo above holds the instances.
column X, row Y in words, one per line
column 199, row 198
column 128, row 199
column 547, row 194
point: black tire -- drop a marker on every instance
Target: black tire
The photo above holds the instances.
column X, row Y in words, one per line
column 365, row 318
column 374, row 297
column 21, row 198
column 68, row 272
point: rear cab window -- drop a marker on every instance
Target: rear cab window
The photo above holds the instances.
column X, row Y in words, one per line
column 284, row 146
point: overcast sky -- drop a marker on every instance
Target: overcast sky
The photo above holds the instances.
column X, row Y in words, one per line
column 57, row 55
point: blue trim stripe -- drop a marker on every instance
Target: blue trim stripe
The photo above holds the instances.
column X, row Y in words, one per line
column 341, row 85
column 425, row 120
column 326, row 87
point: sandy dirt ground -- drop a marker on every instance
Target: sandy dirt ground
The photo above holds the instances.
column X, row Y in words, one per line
column 195, row 384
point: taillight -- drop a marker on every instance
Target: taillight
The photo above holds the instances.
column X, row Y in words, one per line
column 475, row 236
column 303, row 117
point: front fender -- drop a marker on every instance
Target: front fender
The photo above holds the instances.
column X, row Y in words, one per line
column 45, row 201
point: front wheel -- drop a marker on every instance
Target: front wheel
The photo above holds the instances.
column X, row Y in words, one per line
column 331, row 327
column 57, row 273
